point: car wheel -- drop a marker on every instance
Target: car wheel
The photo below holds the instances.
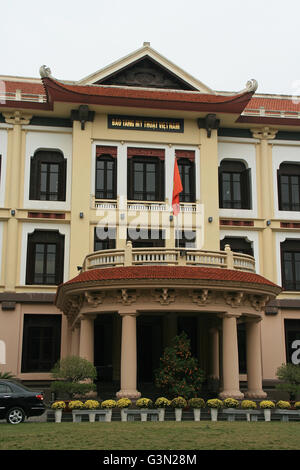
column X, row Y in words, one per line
column 15, row 416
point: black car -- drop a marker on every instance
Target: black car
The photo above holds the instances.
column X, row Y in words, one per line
column 18, row 402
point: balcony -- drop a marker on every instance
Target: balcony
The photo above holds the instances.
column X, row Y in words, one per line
column 169, row 257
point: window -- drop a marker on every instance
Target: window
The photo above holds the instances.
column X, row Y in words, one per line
column 104, row 238
column 45, row 257
column 4, row 388
column 292, row 340
column 106, row 180
column 290, row 264
column 185, row 239
column 186, row 169
column 48, row 176
column 234, row 185
column 41, row 342
column 237, row 244
column 144, row 238
column 146, row 179
column 289, row 187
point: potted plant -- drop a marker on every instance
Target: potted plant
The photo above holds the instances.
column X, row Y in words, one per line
column 297, row 405
column 144, row 404
column 108, row 405
column 231, row 404
column 123, row 404
column 162, row 403
column 58, row 407
column 215, row 405
column 267, row 406
column 178, row 404
column 284, row 409
column 76, row 405
column 196, row 404
column 91, row 406
column 249, row 405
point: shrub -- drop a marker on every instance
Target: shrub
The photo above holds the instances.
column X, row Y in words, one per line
column 144, row 403
column 162, row 402
column 108, row 404
column 7, row 375
column 91, row 405
column 123, row 403
column 196, row 403
column 297, row 405
column 179, row 373
column 214, row 403
column 248, row 405
column 289, row 376
column 179, row 402
column 267, row 404
column 284, row 405
column 231, row 403
column 75, row 375
column 76, row 405
column 58, row 405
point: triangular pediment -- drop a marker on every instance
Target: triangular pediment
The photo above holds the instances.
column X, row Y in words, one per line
column 148, row 69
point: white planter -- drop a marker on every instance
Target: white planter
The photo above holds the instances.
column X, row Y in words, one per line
column 161, row 416
column 178, row 414
column 108, row 415
column 92, row 417
column 123, row 414
column 197, row 414
column 144, row 414
column 58, row 414
column 267, row 414
column 214, row 414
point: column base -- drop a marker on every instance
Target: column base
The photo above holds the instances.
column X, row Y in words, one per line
column 231, row 394
column 131, row 394
column 259, row 394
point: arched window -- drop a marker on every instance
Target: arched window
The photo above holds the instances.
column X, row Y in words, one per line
column 186, row 169
column 289, row 187
column 48, row 176
column 237, row 244
column 234, row 185
column 106, row 177
column 290, row 264
column 45, row 257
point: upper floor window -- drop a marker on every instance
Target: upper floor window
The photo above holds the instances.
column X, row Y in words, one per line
column 48, row 176
column 289, row 187
column 104, row 238
column 234, row 185
column 290, row 264
column 146, row 174
column 106, row 177
column 45, row 257
column 186, row 169
column 237, row 244
column 146, row 238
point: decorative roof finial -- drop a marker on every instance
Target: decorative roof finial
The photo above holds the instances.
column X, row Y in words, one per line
column 45, row 71
column 252, row 85
column 146, row 44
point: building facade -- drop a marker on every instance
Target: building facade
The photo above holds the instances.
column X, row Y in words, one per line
column 95, row 263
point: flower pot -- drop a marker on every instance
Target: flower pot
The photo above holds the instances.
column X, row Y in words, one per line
column 267, row 414
column 123, row 414
column 143, row 414
column 92, row 417
column 197, row 414
column 161, row 416
column 108, row 415
column 58, row 414
column 178, row 414
column 214, row 414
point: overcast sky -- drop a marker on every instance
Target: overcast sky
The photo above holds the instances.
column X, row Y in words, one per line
column 223, row 43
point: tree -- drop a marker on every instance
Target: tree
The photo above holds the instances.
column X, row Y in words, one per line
column 179, row 373
column 289, row 376
column 75, row 376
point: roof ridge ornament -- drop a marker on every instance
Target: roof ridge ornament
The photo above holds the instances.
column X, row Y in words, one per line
column 252, row 85
column 45, row 71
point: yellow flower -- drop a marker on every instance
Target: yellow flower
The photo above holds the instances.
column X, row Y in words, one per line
column 108, row 404
column 76, row 405
column 91, row 404
column 58, row 405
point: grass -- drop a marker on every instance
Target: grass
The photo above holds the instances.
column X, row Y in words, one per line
column 203, row 435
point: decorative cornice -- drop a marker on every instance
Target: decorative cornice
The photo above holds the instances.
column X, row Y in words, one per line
column 201, row 297
column 264, row 133
column 164, row 296
column 17, row 117
column 127, row 297
column 234, row 299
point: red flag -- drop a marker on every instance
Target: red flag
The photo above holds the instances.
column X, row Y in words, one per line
column 177, row 188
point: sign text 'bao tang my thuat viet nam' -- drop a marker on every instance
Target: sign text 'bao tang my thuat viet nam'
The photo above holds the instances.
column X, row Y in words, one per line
column 142, row 123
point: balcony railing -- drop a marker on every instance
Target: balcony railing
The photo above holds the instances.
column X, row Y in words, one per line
column 171, row 257
column 140, row 206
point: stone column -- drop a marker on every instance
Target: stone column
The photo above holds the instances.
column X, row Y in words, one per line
column 231, row 387
column 86, row 345
column 75, row 340
column 254, row 365
column 128, row 357
column 214, row 353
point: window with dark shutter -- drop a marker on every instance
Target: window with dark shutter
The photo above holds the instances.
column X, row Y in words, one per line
column 146, row 238
column 186, row 169
column 45, row 257
column 106, row 177
column 289, row 187
column 48, row 176
column 104, row 238
column 234, row 185
column 237, row 244
column 290, row 264
column 146, row 177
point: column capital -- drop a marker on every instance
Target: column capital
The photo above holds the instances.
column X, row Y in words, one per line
column 128, row 313
column 229, row 315
column 264, row 133
column 17, row 117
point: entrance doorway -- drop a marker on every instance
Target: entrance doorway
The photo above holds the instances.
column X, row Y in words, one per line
column 149, row 346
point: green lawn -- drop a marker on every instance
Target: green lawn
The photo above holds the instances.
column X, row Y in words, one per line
column 191, row 435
